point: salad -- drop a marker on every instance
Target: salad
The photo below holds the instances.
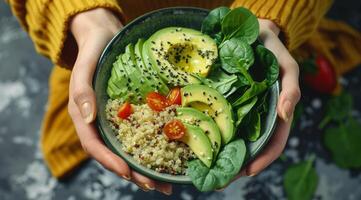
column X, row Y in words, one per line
column 184, row 101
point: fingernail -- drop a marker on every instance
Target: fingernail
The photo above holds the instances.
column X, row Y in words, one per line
column 86, row 112
column 251, row 175
column 149, row 187
column 166, row 192
column 287, row 110
column 126, row 177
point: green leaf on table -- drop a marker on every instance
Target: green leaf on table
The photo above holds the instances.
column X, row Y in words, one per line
column 344, row 143
column 300, row 181
column 226, row 167
column 240, row 23
column 212, row 23
column 266, row 65
column 236, row 55
column 337, row 109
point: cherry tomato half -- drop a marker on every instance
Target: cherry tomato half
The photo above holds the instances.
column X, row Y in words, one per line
column 324, row 80
column 125, row 110
column 174, row 129
column 156, row 101
column 174, row 96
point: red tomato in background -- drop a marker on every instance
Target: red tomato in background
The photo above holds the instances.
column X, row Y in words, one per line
column 125, row 110
column 324, row 79
column 156, row 101
column 174, row 97
column 174, row 129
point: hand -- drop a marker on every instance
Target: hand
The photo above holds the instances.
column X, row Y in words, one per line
column 289, row 96
column 92, row 31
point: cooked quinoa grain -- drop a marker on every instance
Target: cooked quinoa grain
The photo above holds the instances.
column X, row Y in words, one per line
column 142, row 137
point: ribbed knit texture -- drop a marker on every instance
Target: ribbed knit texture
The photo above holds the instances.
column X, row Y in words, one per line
column 47, row 21
column 297, row 19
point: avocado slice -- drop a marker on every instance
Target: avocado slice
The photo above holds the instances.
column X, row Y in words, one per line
column 139, row 86
column 199, row 143
column 157, row 83
column 217, row 106
column 177, row 53
column 203, row 121
column 117, row 81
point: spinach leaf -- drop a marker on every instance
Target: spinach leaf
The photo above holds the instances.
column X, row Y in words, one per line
column 212, row 23
column 219, row 80
column 252, row 126
column 344, row 143
column 222, row 81
column 337, row 109
column 226, row 167
column 300, row 180
column 240, row 23
column 268, row 63
column 218, row 37
column 255, row 89
column 236, row 55
column 243, row 110
column 262, row 103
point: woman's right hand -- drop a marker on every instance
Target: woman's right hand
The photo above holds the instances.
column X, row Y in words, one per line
column 92, row 31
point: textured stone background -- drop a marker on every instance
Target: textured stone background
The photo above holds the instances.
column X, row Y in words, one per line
column 23, row 175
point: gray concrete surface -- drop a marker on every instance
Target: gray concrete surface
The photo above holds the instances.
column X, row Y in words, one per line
column 23, row 175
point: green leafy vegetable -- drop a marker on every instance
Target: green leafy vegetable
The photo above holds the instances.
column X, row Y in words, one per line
column 240, row 23
column 252, row 126
column 236, row 55
column 212, row 23
column 243, row 110
column 337, row 109
column 255, row 89
column 344, row 143
column 227, row 165
column 222, row 81
column 268, row 61
column 300, row 180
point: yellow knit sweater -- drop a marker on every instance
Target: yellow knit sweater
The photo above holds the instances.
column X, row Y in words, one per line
column 46, row 21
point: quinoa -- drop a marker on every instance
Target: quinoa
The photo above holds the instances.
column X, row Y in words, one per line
column 142, row 137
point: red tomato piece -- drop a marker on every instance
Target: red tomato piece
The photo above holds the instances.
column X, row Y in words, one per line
column 324, row 80
column 156, row 101
column 125, row 110
column 174, row 129
column 174, row 97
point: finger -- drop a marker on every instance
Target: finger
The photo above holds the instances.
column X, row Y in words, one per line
column 143, row 182
column 165, row 188
column 271, row 152
column 81, row 81
column 290, row 94
column 94, row 146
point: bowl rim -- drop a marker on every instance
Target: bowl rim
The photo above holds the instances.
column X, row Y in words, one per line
column 175, row 179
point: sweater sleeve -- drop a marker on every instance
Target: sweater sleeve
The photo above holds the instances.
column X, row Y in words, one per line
column 297, row 19
column 47, row 21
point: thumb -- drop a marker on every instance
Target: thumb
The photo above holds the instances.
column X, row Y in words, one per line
column 81, row 79
column 290, row 93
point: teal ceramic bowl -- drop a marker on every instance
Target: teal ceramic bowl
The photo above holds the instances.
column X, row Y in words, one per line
column 144, row 27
